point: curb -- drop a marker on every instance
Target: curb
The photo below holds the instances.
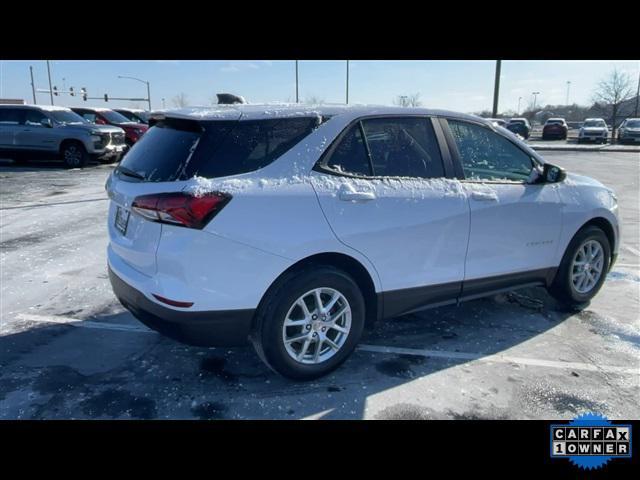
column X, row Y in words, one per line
column 602, row 149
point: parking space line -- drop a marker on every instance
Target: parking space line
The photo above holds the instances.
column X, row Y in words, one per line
column 635, row 251
column 74, row 322
column 499, row 358
column 478, row 357
column 54, row 204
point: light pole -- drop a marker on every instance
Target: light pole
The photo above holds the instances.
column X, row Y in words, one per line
column 637, row 97
column 163, row 103
column 496, row 89
column 33, row 87
column 50, row 88
column 297, row 91
column 141, row 81
column 347, row 82
column 568, row 85
column 535, row 98
column 519, row 99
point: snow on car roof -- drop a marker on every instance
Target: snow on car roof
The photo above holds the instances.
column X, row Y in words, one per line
column 264, row 111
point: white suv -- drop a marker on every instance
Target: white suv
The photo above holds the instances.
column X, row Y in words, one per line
column 295, row 226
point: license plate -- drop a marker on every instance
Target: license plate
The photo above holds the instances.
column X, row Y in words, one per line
column 122, row 220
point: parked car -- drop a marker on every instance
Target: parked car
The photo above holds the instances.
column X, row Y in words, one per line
column 498, row 121
column 555, row 128
column 37, row 131
column 629, row 131
column 309, row 223
column 593, row 130
column 104, row 116
column 520, row 126
column 135, row 115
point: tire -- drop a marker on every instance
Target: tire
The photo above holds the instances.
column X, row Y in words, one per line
column 563, row 287
column 74, row 155
column 280, row 303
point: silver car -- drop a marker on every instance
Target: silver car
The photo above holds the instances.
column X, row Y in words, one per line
column 629, row 131
column 593, row 130
column 31, row 131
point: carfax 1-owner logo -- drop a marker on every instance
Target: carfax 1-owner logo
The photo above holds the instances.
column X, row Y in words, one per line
column 590, row 441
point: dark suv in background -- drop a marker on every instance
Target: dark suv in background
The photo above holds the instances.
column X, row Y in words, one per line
column 520, row 126
column 134, row 114
column 555, row 128
column 36, row 131
column 104, row 116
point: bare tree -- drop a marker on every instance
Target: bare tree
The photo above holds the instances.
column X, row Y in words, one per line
column 180, row 100
column 611, row 92
column 314, row 100
column 412, row 100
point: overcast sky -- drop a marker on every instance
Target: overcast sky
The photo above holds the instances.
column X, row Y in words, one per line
column 465, row 86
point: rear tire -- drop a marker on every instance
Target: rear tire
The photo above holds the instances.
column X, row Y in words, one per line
column 570, row 287
column 74, row 155
column 316, row 350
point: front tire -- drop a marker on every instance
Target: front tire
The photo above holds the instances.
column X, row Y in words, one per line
column 74, row 155
column 309, row 323
column 583, row 268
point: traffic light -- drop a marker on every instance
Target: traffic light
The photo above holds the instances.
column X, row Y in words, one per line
column 71, row 91
column 83, row 92
column 106, row 97
column 55, row 91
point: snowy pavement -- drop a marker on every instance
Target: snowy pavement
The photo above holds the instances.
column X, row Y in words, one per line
column 69, row 350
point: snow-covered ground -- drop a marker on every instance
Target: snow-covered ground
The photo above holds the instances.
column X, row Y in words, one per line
column 69, row 350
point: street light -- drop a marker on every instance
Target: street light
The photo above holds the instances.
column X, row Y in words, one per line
column 141, row 81
column 519, row 99
column 535, row 98
column 568, row 85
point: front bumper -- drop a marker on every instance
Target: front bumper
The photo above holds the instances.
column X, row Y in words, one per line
column 222, row 328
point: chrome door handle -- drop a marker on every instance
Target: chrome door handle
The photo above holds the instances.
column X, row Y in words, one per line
column 352, row 196
column 484, row 197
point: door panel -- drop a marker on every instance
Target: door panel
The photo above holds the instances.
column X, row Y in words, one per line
column 413, row 230
column 514, row 228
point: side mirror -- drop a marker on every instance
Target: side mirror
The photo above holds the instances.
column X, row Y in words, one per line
column 46, row 122
column 553, row 174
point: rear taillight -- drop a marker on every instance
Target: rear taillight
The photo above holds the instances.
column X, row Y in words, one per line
column 180, row 208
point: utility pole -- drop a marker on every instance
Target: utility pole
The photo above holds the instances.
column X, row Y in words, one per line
column 519, row 99
column 568, row 85
column 496, row 89
column 347, row 82
column 297, row 91
column 33, row 87
column 50, row 89
column 637, row 97
column 535, row 98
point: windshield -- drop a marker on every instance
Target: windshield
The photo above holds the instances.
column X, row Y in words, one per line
column 114, row 117
column 133, row 116
column 65, row 116
column 633, row 124
column 176, row 149
column 595, row 123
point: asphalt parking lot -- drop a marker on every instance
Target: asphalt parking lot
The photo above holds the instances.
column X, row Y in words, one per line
column 69, row 350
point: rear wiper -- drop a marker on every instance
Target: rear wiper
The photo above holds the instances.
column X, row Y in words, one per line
column 128, row 172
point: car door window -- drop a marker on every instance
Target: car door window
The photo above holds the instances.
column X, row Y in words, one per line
column 485, row 155
column 403, row 147
column 350, row 154
column 33, row 118
column 90, row 116
column 10, row 116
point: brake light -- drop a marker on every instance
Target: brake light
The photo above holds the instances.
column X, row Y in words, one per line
column 181, row 208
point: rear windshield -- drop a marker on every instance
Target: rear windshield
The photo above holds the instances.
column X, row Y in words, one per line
column 555, row 122
column 180, row 149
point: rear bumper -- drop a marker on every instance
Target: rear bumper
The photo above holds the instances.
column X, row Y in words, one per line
column 222, row 328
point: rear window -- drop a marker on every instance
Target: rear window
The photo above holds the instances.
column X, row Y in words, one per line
column 180, row 149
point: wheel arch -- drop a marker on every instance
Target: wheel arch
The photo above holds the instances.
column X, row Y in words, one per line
column 346, row 263
column 604, row 225
column 68, row 141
